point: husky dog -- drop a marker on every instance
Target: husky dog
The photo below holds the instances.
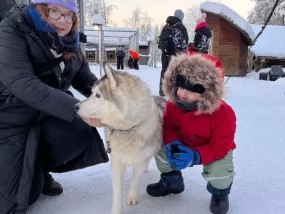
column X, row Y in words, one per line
column 132, row 121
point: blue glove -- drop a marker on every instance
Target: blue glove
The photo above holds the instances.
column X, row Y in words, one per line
column 180, row 156
column 172, row 148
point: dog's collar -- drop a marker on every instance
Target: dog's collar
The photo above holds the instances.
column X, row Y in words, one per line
column 109, row 150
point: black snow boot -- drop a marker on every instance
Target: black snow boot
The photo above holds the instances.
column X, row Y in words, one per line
column 171, row 182
column 51, row 187
column 219, row 204
column 220, row 199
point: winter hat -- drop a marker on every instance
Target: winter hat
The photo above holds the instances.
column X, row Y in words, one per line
column 69, row 4
column 199, row 73
column 201, row 20
column 179, row 14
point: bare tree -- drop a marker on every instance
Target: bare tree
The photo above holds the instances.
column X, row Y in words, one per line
column 191, row 15
column 145, row 27
column 142, row 21
column 135, row 19
column 262, row 9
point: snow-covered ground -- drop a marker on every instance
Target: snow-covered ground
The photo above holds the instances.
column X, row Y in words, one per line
column 259, row 159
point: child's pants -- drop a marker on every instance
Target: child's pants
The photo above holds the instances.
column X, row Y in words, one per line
column 219, row 174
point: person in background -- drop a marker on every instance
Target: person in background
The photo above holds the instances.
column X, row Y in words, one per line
column 135, row 56
column 166, row 43
column 39, row 131
column 202, row 42
column 198, row 128
column 120, row 55
column 130, row 62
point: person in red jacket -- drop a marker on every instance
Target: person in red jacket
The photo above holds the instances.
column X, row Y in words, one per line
column 135, row 56
column 198, row 128
column 202, row 41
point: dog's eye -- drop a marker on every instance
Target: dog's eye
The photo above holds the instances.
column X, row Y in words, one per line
column 98, row 95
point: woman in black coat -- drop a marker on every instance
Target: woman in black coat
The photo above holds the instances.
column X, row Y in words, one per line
column 39, row 132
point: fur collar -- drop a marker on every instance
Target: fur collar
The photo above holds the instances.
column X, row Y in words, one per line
column 198, row 70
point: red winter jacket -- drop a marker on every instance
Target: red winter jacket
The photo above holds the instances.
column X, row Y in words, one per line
column 212, row 135
column 134, row 54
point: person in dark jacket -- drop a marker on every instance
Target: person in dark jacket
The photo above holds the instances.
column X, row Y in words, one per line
column 120, row 54
column 39, row 131
column 176, row 21
column 130, row 62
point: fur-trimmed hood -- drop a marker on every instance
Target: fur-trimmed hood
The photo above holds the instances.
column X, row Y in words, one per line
column 197, row 70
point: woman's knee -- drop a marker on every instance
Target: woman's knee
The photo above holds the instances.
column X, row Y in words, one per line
column 62, row 141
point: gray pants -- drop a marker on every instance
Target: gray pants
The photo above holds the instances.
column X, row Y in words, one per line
column 219, row 173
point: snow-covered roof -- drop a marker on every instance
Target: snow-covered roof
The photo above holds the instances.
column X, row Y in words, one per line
column 271, row 42
column 230, row 16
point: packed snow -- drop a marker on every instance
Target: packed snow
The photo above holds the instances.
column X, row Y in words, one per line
column 259, row 162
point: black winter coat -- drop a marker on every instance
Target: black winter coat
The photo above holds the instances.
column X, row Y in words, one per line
column 27, row 90
column 5, row 6
column 172, row 20
column 120, row 53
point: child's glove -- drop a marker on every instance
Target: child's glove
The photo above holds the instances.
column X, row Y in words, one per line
column 180, row 156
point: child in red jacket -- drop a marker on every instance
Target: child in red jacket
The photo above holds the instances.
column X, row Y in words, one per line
column 199, row 128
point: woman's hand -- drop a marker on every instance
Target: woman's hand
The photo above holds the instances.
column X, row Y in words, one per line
column 95, row 122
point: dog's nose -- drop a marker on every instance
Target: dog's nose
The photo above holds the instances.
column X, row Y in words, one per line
column 76, row 107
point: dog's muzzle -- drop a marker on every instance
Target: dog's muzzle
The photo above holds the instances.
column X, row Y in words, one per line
column 76, row 108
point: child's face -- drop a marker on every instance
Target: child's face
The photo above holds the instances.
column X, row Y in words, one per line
column 187, row 96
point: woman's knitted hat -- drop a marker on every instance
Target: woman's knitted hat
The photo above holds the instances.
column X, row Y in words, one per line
column 69, row 4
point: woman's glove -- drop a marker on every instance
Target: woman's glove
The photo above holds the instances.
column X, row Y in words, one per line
column 180, row 156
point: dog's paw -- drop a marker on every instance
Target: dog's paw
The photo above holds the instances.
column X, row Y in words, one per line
column 132, row 200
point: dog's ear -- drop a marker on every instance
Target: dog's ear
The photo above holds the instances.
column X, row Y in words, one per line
column 109, row 71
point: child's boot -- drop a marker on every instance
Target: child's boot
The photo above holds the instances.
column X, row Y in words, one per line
column 220, row 199
column 171, row 182
column 219, row 204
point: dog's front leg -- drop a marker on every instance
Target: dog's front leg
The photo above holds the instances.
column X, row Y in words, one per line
column 118, row 169
column 138, row 170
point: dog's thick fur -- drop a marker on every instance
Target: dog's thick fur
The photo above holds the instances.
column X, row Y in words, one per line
column 133, row 126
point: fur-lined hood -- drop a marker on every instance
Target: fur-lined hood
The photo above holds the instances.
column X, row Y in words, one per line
column 197, row 70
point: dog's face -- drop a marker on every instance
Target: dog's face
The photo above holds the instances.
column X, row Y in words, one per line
column 100, row 103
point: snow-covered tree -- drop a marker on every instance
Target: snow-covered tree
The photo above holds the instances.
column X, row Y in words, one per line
column 155, row 53
column 140, row 20
column 191, row 15
column 262, row 9
column 92, row 7
column 135, row 19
